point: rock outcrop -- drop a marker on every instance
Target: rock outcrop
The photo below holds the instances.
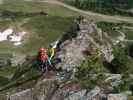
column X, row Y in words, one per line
column 89, row 38
column 43, row 90
column 52, row 89
column 62, row 87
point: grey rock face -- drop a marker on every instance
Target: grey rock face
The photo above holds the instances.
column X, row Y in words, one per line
column 114, row 79
column 80, row 95
column 89, row 37
column 93, row 93
column 44, row 89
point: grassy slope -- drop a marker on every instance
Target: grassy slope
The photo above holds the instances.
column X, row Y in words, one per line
column 45, row 30
column 7, row 71
column 41, row 28
column 51, row 9
column 110, row 29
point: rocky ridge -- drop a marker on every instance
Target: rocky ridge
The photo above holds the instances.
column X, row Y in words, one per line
column 64, row 86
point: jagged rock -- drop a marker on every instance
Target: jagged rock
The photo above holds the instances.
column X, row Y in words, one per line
column 69, row 91
column 93, row 93
column 89, row 37
column 107, row 53
column 80, row 95
column 117, row 97
column 24, row 95
column 59, row 95
column 45, row 89
column 42, row 91
column 114, row 79
column 63, row 76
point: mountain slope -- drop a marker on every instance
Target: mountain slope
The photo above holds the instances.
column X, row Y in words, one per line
column 82, row 53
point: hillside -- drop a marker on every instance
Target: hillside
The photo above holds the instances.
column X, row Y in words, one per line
column 101, row 65
column 22, row 17
column 93, row 58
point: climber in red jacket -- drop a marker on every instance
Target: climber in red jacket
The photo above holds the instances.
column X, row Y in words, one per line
column 43, row 59
column 42, row 55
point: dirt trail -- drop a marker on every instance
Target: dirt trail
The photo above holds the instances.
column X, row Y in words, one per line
column 91, row 14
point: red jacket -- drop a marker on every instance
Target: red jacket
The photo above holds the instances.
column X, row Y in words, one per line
column 42, row 56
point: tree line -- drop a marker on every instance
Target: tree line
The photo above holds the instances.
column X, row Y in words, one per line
column 104, row 6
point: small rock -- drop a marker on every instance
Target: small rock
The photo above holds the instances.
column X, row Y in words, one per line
column 117, row 97
column 77, row 96
column 93, row 93
column 114, row 79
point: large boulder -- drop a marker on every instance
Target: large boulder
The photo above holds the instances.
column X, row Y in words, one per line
column 45, row 89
